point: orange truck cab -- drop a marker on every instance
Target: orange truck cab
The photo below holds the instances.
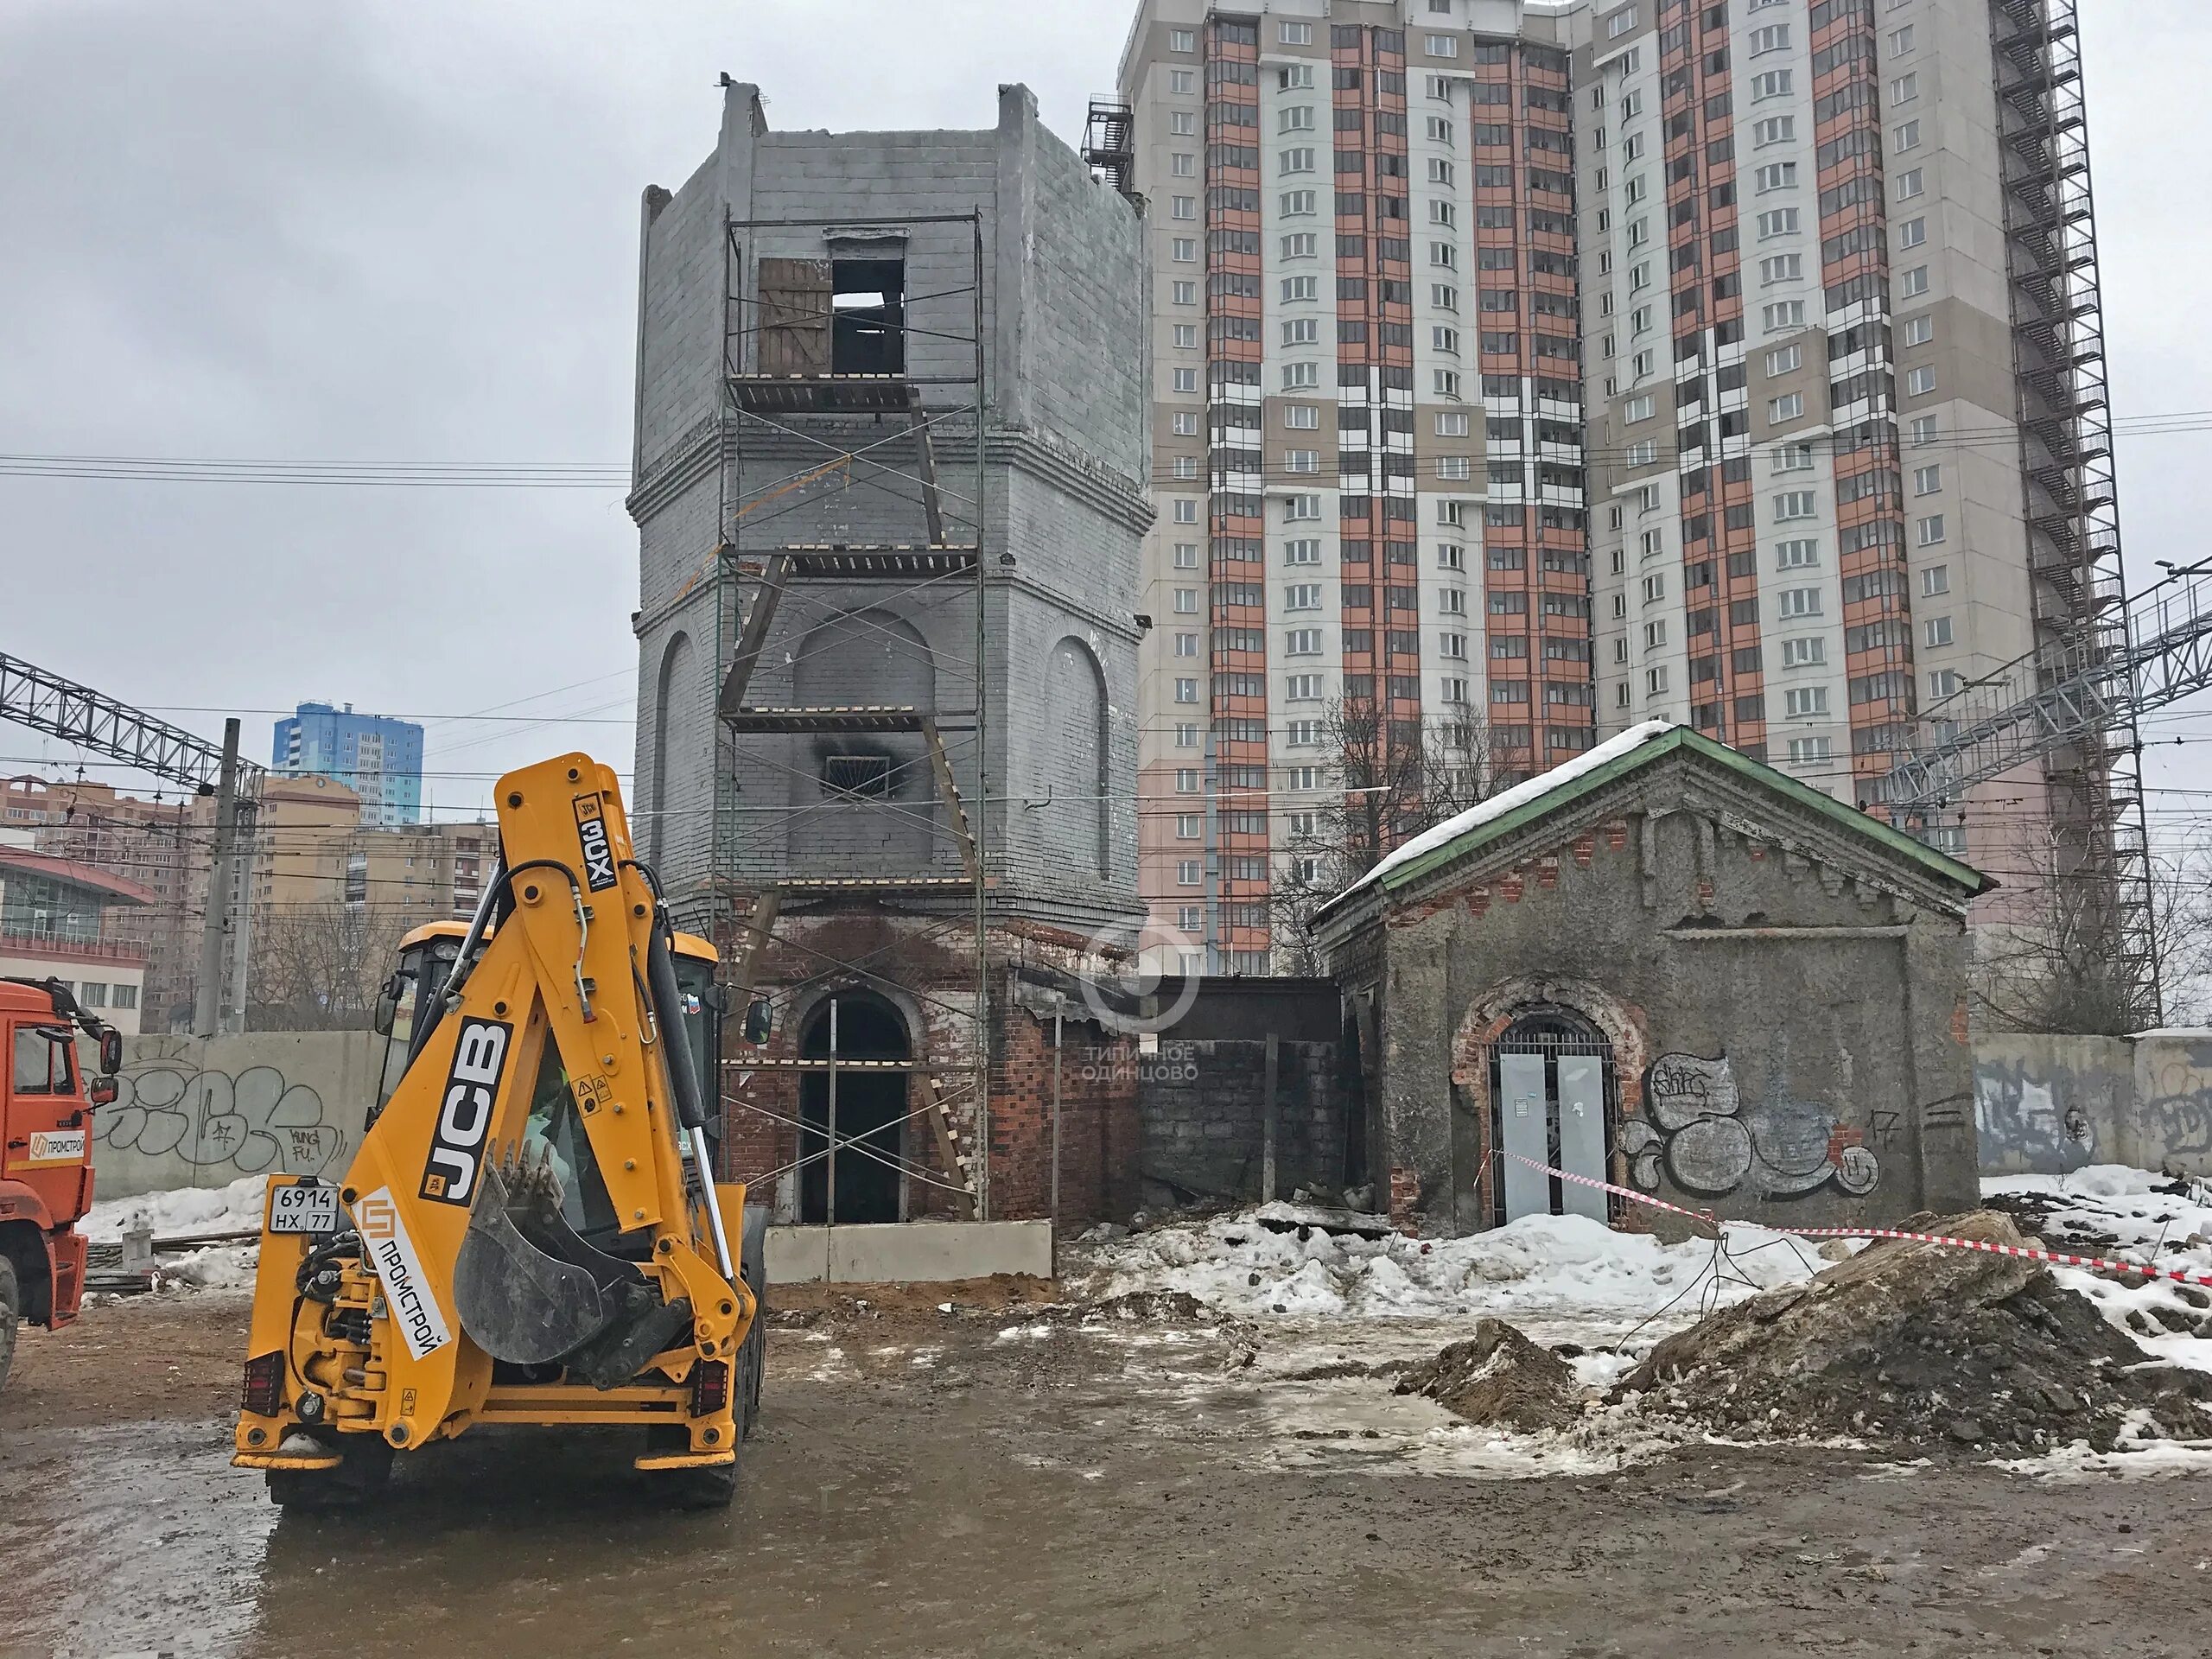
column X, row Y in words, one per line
column 46, row 1152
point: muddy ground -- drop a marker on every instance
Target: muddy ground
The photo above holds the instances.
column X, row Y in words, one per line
column 999, row 1481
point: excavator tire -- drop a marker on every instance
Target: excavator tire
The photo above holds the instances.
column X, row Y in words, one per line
column 354, row 1482
column 11, row 1312
column 691, row 1488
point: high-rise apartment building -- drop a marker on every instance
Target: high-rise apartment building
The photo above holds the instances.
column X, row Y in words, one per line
column 377, row 758
column 1525, row 372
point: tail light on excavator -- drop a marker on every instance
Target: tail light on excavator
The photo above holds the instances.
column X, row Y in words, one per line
column 709, row 1387
column 265, row 1384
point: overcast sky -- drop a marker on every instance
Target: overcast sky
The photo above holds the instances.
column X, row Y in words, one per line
column 404, row 233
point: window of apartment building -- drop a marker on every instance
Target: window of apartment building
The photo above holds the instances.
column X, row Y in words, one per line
column 1301, row 377
column 1182, row 80
column 1186, row 733
column 1904, row 90
column 1444, row 297
column 1802, row 749
column 1186, row 690
column 1655, row 681
column 1909, row 185
column 1186, row 512
column 1451, row 646
column 1301, row 331
column 1444, row 256
column 1642, row 363
column 1440, row 129
column 1183, row 165
column 1780, row 222
column 1444, row 214
column 1455, row 468
column 1789, row 406
column 1805, row 702
column 1784, row 360
column 1294, row 117
column 1650, row 542
column 1776, row 175
column 1654, row 588
column 1446, row 382
column 1791, row 458
column 1452, row 601
column 1655, row 635
column 1187, row 873
column 1182, row 39
column 1186, row 335
column 1303, row 642
column 1187, row 780
column 1184, row 379
column 1799, row 601
column 1451, row 555
column 1944, row 683
column 1186, row 467
column 1183, row 206
column 1632, row 148
column 1937, row 631
column 1930, row 532
column 1439, row 86
column 1296, row 508
column 1926, row 481
column 1187, row 556
column 1183, row 250
column 1441, row 46
column 1296, row 78
column 1301, row 551
column 1912, row 233
column 1774, row 130
column 1301, row 460
column 1922, row 430
column 1783, row 314
column 1620, row 22
column 1919, row 330
column 1303, row 733
column 1901, row 41
column 1804, row 652
column 1186, row 422
column 1918, row 383
column 1439, row 170
column 1907, row 137
column 1444, row 338
column 1935, row 580
column 1453, row 423
column 1781, row 268
column 1295, row 204
column 1642, row 453
column 1801, row 554
column 1302, row 596
column 1298, row 244
column 1299, row 160
column 1303, row 688
column 1639, row 409
column 1301, row 417
column 1913, row 282
column 1183, row 124
column 1640, row 320
column 1186, row 601
column 1184, row 293
column 1774, row 83
column 1190, row 826
column 1291, row 34
column 1795, row 503
column 1772, row 37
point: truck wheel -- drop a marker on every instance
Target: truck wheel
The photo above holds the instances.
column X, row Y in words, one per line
column 711, row 1488
column 11, row 1312
column 354, row 1482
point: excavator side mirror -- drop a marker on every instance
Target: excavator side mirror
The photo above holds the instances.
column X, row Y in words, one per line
column 110, row 1060
column 759, row 1020
column 388, row 1003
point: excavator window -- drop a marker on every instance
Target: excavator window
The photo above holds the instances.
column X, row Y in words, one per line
column 42, row 1060
column 556, row 1128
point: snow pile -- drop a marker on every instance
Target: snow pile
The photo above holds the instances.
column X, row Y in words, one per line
column 2110, row 1210
column 184, row 1212
column 1557, row 1277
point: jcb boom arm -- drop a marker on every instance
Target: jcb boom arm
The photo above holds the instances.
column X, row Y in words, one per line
column 530, row 1232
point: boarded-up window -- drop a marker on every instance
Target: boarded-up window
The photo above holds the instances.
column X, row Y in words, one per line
column 794, row 316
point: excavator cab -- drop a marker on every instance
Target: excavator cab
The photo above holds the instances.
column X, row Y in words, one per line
column 531, row 1230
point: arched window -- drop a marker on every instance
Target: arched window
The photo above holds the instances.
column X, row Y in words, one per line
column 1075, row 756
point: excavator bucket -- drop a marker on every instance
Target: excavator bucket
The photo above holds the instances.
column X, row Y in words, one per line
column 527, row 1287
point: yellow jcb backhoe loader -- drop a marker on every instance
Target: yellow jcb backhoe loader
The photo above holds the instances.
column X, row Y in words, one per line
column 531, row 1232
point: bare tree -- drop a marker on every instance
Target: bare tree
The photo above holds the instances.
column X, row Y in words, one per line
column 2054, row 965
column 319, row 967
column 1389, row 779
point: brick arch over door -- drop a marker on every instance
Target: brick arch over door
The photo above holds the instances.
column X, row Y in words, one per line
column 1493, row 1012
column 1075, row 756
column 672, row 694
column 865, row 659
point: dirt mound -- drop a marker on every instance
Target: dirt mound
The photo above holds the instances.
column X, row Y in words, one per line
column 1924, row 1344
column 1151, row 1306
column 1498, row 1376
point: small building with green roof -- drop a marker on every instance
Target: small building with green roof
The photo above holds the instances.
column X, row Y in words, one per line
column 1670, row 969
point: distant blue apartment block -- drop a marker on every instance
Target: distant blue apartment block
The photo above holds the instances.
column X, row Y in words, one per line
column 379, row 758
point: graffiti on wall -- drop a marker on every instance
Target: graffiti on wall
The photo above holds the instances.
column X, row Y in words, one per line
column 2178, row 1108
column 1700, row 1134
column 2041, row 1122
column 255, row 1121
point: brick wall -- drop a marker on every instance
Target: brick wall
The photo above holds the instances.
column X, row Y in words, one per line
column 1201, row 1103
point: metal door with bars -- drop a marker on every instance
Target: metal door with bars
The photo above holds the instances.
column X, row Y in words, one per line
column 1552, row 1102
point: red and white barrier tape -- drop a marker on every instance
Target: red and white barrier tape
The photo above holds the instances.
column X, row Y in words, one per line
column 2100, row 1263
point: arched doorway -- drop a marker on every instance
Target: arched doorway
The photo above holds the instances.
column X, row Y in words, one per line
column 863, row 1109
column 1553, row 1102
